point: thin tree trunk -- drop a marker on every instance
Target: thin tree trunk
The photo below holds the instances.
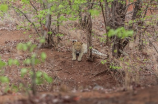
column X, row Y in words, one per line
column 118, row 18
column 89, row 32
column 89, row 38
column 58, row 38
column 47, row 28
column 107, row 18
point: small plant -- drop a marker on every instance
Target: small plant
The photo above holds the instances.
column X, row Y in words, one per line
column 114, row 67
column 103, row 61
column 36, row 77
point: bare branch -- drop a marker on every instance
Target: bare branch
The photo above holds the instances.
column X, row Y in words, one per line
column 33, row 6
column 147, row 8
column 27, row 19
column 37, row 14
column 129, row 5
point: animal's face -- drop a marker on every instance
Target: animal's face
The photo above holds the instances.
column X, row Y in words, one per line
column 77, row 47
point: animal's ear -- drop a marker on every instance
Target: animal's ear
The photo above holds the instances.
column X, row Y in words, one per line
column 73, row 42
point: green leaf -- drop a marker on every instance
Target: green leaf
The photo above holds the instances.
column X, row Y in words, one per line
column 14, row 88
column 38, row 80
column 94, row 12
column 30, row 36
column 47, row 78
column 62, row 18
column 60, row 35
column 29, row 43
column 37, row 61
column 10, row 62
column 27, row 61
column 4, row 79
column 38, row 74
column 25, row 1
column 21, row 85
column 2, row 64
column 3, row 7
column 115, row 51
column 32, row 47
column 13, row 62
column 16, row 62
column 33, row 55
column 43, row 56
column 20, row 46
column 25, row 47
column 61, row 6
column 23, row 71
column 103, row 61
column 90, row 47
column 31, row 73
column 42, row 40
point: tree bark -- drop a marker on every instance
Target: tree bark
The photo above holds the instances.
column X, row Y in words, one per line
column 47, row 29
column 89, row 32
column 118, row 19
column 89, row 37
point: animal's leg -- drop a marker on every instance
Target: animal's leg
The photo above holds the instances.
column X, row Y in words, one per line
column 73, row 56
column 80, row 56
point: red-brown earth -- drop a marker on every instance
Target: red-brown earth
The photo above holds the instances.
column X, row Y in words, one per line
column 89, row 82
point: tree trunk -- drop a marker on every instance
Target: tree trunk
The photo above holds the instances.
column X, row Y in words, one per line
column 47, row 29
column 89, row 37
column 137, row 15
column 58, row 38
column 107, row 18
column 118, row 18
column 89, row 32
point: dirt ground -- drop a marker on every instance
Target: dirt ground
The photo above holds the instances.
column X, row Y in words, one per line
column 73, row 82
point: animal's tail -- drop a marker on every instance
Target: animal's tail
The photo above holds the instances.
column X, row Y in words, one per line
column 98, row 53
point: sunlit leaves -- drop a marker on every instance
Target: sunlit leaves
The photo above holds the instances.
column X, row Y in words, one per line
column 4, row 79
column 103, row 61
column 13, row 62
column 27, row 61
column 61, row 6
column 38, row 74
column 41, row 76
column 62, row 18
column 47, row 78
column 72, row 18
column 60, row 35
column 25, row 1
column 80, row 1
column 2, row 63
column 120, row 32
column 94, row 12
column 43, row 56
column 21, row 46
column 42, row 40
column 109, row 1
column 3, row 7
column 23, row 71
column 24, row 47
column 32, row 47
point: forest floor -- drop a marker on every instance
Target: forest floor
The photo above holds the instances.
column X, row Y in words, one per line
column 73, row 82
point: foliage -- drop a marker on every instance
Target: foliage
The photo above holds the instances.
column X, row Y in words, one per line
column 41, row 77
column 120, row 32
column 3, row 9
column 29, row 61
column 60, row 11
